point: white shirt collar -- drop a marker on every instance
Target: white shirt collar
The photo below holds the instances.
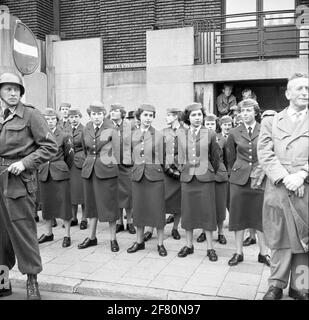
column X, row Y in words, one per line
column 252, row 126
column 292, row 113
column 94, row 125
column 195, row 129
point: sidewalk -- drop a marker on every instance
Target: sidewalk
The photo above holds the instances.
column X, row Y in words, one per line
column 96, row 271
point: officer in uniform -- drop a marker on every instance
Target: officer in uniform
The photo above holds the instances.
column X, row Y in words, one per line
column 64, row 124
column 25, row 143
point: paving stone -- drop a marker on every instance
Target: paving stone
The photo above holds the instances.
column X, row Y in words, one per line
column 239, row 291
column 243, row 278
column 168, row 282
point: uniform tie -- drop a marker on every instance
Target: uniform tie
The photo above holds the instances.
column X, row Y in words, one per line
column 73, row 130
column 250, row 131
column 6, row 113
column 96, row 130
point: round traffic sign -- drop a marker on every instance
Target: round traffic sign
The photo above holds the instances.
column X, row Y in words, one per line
column 25, row 49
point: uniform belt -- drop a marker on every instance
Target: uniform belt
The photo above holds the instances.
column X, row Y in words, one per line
column 5, row 162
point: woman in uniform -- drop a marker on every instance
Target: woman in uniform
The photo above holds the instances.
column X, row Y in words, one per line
column 77, row 193
column 200, row 155
column 148, row 179
column 100, row 175
column 54, row 180
column 246, row 196
column 124, row 129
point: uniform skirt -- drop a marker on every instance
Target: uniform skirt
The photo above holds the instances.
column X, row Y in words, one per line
column 172, row 195
column 55, row 199
column 125, row 187
column 148, row 203
column 198, row 209
column 246, row 206
column 221, row 201
column 101, row 198
column 76, row 182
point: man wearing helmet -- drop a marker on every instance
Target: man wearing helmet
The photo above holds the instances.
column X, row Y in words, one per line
column 25, row 143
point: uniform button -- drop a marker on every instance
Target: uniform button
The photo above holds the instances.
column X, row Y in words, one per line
column 193, row 149
column 193, row 155
column 143, row 161
column 250, row 157
column 250, row 143
column 250, row 164
column 250, row 150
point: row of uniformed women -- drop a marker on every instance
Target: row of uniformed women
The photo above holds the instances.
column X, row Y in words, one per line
column 199, row 155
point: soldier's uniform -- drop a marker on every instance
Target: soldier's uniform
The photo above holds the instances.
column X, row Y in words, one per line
column 24, row 136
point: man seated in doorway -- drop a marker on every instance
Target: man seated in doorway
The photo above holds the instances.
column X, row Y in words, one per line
column 226, row 101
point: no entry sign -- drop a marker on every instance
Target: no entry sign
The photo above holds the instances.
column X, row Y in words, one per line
column 25, row 49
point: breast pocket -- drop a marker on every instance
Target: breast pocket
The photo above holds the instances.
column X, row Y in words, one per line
column 14, row 133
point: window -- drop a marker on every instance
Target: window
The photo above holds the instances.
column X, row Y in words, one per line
column 241, row 7
column 278, row 18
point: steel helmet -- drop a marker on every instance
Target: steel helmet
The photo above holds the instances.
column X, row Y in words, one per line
column 9, row 77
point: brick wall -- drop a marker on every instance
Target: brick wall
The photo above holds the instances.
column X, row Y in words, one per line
column 37, row 15
column 80, row 18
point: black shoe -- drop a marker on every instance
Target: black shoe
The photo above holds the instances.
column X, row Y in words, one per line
column 221, row 239
column 162, row 251
column 44, row 238
column 264, row 259
column 136, row 246
column 248, row 242
column 236, row 259
column 33, row 292
column 298, row 295
column 114, row 246
column 74, row 223
column 185, row 251
column 273, row 293
column 170, row 219
column 6, row 292
column 201, row 237
column 88, row 243
column 66, row 242
column 131, row 228
column 54, row 225
column 36, row 218
column 211, row 254
column 175, row 234
column 147, row 236
column 83, row 225
column 119, row 228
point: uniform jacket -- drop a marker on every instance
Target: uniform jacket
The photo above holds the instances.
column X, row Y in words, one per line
column 200, row 157
column 64, row 126
column 283, row 148
column 242, row 154
column 25, row 136
column 123, row 142
column 59, row 166
column 222, row 175
column 79, row 155
column 147, row 154
column 98, row 149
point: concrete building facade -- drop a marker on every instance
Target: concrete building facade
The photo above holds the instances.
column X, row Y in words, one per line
column 168, row 53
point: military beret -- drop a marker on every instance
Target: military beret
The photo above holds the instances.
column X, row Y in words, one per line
column 50, row 112
column 211, row 117
column 268, row 113
column 147, row 107
column 225, row 119
column 74, row 112
column 116, row 106
column 96, row 106
column 65, row 104
column 131, row 114
column 195, row 106
column 173, row 110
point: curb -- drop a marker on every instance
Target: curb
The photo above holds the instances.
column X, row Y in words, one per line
column 106, row 289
